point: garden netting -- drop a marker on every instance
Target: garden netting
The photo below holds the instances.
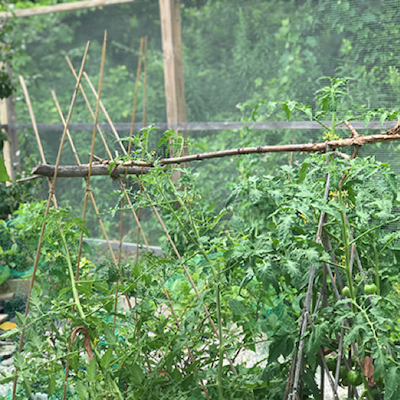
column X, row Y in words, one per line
column 235, row 52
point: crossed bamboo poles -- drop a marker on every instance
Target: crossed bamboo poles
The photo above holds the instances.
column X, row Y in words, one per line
column 187, row 273
column 158, row 218
column 89, row 193
column 51, row 194
column 123, row 188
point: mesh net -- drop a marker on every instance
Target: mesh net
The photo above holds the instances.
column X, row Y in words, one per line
column 233, row 52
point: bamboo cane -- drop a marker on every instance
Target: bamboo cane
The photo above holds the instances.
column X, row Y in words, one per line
column 35, row 129
column 87, row 180
column 123, row 187
column 121, row 226
column 47, row 210
column 103, row 57
column 114, row 131
column 109, row 153
column 169, row 238
column 144, row 125
column 148, row 248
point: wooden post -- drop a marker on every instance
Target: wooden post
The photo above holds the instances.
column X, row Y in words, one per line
column 10, row 149
column 170, row 16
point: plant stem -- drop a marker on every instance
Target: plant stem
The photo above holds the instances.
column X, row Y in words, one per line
column 376, row 265
column 216, row 277
column 196, row 232
column 321, row 123
column 221, row 345
column 333, row 127
column 346, row 245
column 71, row 273
column 372, row 229
column 366, row 392
column 370, row 323
column 114, row 384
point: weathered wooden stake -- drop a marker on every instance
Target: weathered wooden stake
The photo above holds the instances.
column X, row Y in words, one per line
column 170, row 16
column 10, row 147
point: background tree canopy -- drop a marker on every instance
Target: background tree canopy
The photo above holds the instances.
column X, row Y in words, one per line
column 235, row 52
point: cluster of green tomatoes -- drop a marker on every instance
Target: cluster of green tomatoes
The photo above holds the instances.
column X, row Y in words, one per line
column 368, row 289
column 352, row 377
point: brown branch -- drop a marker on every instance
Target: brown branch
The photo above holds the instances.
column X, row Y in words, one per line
column 297, row 362
column 309, row 148
column 29, row 178
column 352, row 130
column 133, row 166
column 74, row 171
column 394, row 131
column 343, row 155
column 360, row 140
column 324, row 366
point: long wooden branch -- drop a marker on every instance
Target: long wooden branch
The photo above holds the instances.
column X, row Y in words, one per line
column 79, row 5
column 135, row 167
column 360, row 140
column 73, row 171
column 307, row 148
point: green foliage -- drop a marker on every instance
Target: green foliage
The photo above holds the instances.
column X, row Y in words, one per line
column 332, row 101
column 250, row 263
column 250, row 257
column 15, row 195
column 6, row 86
column 3, row 171
column 19, row 240
column 6, row 55
column 329, row 97
column 234, row 52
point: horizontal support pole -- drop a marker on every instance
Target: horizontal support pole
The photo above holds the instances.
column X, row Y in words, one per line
column 125, row 246
column 79, row 5
column 84, row 127
column 81, row 171
column 212, row 126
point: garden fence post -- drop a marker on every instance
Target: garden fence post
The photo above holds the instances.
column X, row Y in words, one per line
column 170, row 17
column 8, row 117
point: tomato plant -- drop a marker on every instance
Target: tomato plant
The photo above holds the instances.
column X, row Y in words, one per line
column 232, row 277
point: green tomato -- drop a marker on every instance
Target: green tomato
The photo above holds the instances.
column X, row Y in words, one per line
column 345, row 382
column 370, row 289
column 346, row 291
column 354, row 377
column 342, row 372
column 331, row 364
